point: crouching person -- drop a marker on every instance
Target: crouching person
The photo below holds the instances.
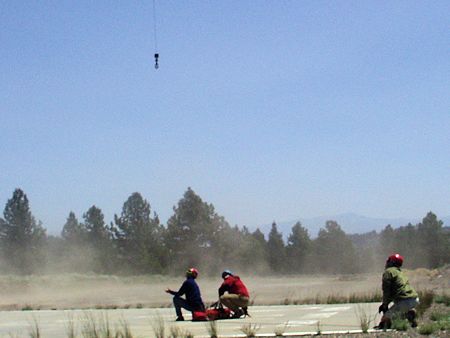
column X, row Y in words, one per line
column 193, row 301
column 396, row 289
column 237, row 298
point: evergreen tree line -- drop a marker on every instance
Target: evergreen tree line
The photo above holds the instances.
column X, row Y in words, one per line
column 195, row 235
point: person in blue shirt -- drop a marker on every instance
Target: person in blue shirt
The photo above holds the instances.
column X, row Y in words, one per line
column 189, row 288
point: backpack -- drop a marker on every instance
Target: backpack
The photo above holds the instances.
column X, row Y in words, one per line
column 217, row 311
column 199, row 316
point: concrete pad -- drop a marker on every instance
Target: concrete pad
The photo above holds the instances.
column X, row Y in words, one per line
column 290, row 319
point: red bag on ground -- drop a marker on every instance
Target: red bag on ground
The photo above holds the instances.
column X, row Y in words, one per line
column 217, row 311
column 199, row 316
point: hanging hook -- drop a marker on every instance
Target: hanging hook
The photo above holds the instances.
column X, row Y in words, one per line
column 156, row 60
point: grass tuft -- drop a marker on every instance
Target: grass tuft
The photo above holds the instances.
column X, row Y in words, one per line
column 442, row 299
column 96, row 326
column 400, row 324
column 34, row 331
column 250, row 329
column 123, row 331
column 175, row 332
column 365, row 320
column 318, row 328
column 428, row 328
column 89, row 327
column 212, row 329
column 280, row 329
column 158, row 326
column 71, row 330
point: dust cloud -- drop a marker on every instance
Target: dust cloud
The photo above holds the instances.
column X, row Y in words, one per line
column 80, row 291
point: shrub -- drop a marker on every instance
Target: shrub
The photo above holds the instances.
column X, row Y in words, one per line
column 427, row 329
column 399, row 324
column 437, row 316
column 442, row 299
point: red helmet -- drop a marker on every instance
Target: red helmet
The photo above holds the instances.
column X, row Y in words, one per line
column 192, row 272
column 395, row 259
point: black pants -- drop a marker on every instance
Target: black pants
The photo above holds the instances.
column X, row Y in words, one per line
column 179, row 303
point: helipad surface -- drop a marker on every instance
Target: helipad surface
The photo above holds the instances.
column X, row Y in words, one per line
column 266, row 320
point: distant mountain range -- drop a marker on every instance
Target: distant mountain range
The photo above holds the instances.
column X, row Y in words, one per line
column 351, row 223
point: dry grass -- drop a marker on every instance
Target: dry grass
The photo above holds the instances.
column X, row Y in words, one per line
column 34, row 330
column 250, row 329
column 212, row 329
column 366, row 320
column 158, row 325
column 280, row 329
column 123, row 330
column 71, row 329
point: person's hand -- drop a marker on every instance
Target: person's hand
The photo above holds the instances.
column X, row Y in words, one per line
column 383, row 308
column 168, row 290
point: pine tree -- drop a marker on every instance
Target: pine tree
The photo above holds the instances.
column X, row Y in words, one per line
column 387, row 242
column 334, row 250
column 99, row 240
column 298, row 248
column 407, row 244
column 73, row 232
column 276, row 250
column 433, row 242
column 194, row 233
column 22, row 239
column 139, row 236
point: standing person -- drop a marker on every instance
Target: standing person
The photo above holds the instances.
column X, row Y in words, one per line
column 193, row 301
column 237, row 298
column 396, row 289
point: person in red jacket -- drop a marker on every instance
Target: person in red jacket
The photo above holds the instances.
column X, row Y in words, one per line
column 237, row 296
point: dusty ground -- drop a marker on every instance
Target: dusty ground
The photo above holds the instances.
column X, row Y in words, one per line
column 72, row 291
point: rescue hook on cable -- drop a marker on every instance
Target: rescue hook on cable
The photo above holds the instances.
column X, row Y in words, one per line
column 156, row 60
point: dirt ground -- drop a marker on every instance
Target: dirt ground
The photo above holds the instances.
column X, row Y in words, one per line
column 73, row 291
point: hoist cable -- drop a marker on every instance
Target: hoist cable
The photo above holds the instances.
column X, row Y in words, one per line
column 154, row 26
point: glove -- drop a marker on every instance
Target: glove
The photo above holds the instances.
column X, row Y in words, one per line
column 383, row 308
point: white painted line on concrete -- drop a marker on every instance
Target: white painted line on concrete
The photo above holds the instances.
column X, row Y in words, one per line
column 295, row 323
column 320, row 315
column 332, row 309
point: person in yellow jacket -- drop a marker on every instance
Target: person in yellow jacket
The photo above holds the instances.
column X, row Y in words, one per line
column 396, row 289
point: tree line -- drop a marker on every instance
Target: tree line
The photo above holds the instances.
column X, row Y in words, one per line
column 136, row 242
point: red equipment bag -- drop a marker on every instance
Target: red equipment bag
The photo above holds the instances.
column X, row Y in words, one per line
column 217, row 311
column 199, row 316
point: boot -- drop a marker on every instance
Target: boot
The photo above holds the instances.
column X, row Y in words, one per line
column 411, row 316
column 385, row 324
column 238, row 313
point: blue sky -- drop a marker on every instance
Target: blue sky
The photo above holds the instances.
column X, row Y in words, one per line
column 270, row 110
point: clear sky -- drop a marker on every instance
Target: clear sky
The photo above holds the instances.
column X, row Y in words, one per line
column 270, row 110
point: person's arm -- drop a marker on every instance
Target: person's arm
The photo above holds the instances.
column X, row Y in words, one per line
column 180, row 292
column 387, row 288
column 171, row 291
column 224, row 287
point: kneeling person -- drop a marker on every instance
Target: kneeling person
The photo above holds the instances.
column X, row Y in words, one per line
column 193, row 301
column 237, row 298
column 396, row 289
